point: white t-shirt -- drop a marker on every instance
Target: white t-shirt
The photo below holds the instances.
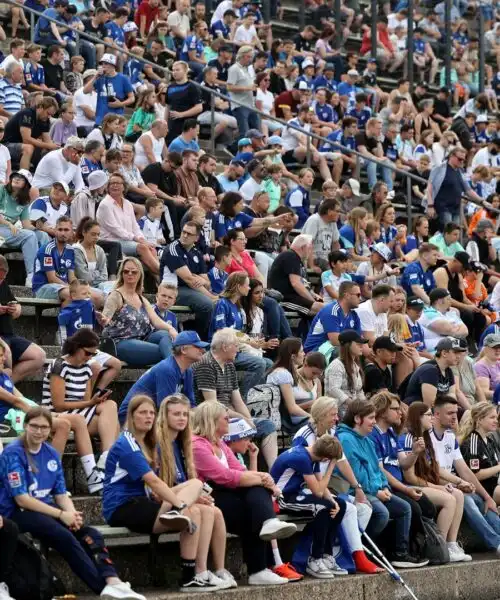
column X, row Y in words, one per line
column 250, row 188
column 10, row 60
column 221, row 9
column 376, row 324
column 80, row 99
column 244, row 35
column 54, row 167
column 267, row 100
column 175, row 19
column 446, row 449
column 4, row 159
column 323, row 235
column 291, row 137
column 431, row 315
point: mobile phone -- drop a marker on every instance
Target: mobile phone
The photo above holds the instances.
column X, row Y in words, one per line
column 206, row 488
column 12, row 302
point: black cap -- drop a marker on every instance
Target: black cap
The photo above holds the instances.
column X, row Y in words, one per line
column 495, row 140
column 450, row 343
column 350, row 335
column 415, row 302
column 463, row 258
column 384, row 342
column 438, row 294
column 58, row 3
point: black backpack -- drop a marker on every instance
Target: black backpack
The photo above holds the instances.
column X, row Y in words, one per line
column 436, row 549
column 30, row 576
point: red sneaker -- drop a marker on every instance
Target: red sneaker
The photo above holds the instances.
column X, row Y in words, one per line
column 288, row 572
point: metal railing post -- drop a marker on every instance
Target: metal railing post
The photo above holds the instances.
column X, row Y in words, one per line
column 32, row 27
column 308, row 151
column 212, row 123
column 302, row 13
column 409, row 193
column 77, row 44
column 409, row 55
column 481, row 49
column 338, row 25
column 267, row 11
column 374, row 9
column 447, row 57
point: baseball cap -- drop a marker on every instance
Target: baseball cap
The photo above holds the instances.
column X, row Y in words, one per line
column 350, row 335
column 450, row 343
column 244, row 142
column 301, row 85
column 63, row 184
column 329, row 67
column 353, row 73
column 482, row 119
column 438, row 294
column 239, row 429
column 25, row 174
column 130, row 26
column 483, row 225
column 415, row 302
column 384, row 342
column 275, row 140
column 372, row 60
column 89, row 73
column 255, row 133
column 382, row 250
column 354, row 185
column 97, row 179
column 61, row 3
column 463, row 258
column 108, row 58
column 307, row 63
column 492, row 340
column 189, row 338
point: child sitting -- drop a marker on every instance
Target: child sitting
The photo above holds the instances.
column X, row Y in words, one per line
column 330, row 280
column 165, row 299
column 73, row 80
column 305, row 494
column 79, row 313
column 217, row 274
column 65, row 126
column 150, row 223
column 298, row 199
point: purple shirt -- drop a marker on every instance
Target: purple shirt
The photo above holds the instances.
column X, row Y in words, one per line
column 61, row 132
column 492, row 372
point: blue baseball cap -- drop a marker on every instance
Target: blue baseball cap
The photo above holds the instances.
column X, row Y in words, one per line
column 372, row 60
column 189, row 338
column 275, row 140
column 244, row 142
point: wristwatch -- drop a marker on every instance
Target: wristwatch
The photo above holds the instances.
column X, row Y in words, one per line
column 358, row 486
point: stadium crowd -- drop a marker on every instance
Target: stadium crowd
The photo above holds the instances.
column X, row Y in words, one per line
column 339, row 364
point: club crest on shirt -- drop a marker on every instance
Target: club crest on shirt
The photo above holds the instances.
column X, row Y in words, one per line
column 474, row 463
column 15, row 480
column 52, row 466
column 47, row 261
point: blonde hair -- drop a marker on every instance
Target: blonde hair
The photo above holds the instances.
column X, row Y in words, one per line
column 234, row 281
column 319, row 409
column 139, row 288
column 382, row 402
column 149, row 446
column 471, row 418
column 398, row 327
column 205, row 417
column 166, row 457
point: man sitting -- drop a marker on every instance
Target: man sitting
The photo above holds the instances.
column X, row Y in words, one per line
column 440, row 320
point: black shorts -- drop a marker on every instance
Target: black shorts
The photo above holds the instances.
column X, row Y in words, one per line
column 17, row 344
column 297, row 303
column 289, row 157
column 139, row 515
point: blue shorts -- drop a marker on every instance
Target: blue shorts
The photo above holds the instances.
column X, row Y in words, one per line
column 129, row 247
column 50, row 291
column 264, row 427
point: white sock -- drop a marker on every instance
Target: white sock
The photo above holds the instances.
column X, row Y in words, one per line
column 88, row 464
column 101, row 463
column 276, row 555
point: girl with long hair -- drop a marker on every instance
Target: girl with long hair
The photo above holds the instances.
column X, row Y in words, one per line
column 309, row 377
column 399, row 332
column 256, row 323
column 90, row 259
column 390, row 235
column 33, row 494
column 419, row 235
column 353, row 234
column 427, row 475
column 176, row 469
column 477, row 447
column 398, row 302
column 108, row 132
column 343, row 376
column 143, row 115
column 131, row 472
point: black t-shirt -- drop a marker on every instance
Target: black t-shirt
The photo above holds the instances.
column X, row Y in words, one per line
column 479, row 455
column 98, row 31
column 377, row 379
column 370, row 143
column 286, row 264
column 277, row 85
column 210, row 181
column 6, row 296
column 265, row 241
column 302, row 44
column 221, row 69
column 54, row 75
column 206, row 97
column 160, row 60
column 442, row 108
column 166, row 182
column 182, row 97
column 24, row 118
column 429, row 373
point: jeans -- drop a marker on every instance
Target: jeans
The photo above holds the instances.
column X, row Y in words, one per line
column 487, row 526
column 254, row 368
column 142, row 353
column 200, row 305
column 246, row 119
column 397, row 509
column 277, row 323
column 371, row 170
column 446, row 216
column 26, row 240
column 196, row 67
column 87, row 50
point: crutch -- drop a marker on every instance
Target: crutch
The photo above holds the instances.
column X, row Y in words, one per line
column 375, row 553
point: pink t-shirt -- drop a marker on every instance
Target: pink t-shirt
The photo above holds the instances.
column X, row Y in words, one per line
column 492, row 372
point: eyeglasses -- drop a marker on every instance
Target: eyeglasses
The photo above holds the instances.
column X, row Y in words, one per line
column 41, row 428
column 90, row 352
column 188, row 233
column 130, row 272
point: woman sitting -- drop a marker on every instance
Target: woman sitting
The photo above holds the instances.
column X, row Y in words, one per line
column 487, row 367
column 343, row 376
column 140, row 336
column 428, row 475
column 137, row 190
column 107, row 132
column 419, row 236
column 283, row 373
column 67, row 391
column 256, row 322
column 390, row 235
column 309, row 377
column 409, row 359
column 478, row 448
column 33, row 495
column 466, row 379
column 244, row 497
column 353, row 234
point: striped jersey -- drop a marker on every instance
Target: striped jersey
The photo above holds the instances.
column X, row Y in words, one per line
column 11, row 96
column 75, row 380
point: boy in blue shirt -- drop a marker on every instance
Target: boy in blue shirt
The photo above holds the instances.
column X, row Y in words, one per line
column 305, row 492
column 298, row 199
column 217, row 274
column 360, row 111
column 166, row 297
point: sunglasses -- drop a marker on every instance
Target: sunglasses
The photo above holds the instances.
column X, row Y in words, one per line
column 90, row 352
column 130, row 272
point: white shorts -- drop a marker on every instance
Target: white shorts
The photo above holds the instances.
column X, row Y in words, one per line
column 206, row 118
column 101, row 358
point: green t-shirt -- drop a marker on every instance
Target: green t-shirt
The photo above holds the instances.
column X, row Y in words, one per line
column 448, row 251
column 274, row 191
column 10, row 209
column 142, row 118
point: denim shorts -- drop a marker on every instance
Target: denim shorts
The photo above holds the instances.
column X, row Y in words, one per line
column 264, row 427
column 50, row 291
column 129, row 247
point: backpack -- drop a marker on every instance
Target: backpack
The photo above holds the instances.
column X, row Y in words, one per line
column 30, row 576
column 435, row 549
column 263, row 401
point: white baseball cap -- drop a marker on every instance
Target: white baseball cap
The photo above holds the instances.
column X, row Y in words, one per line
column 354, row 185
column 97, row 179
column 109, row 58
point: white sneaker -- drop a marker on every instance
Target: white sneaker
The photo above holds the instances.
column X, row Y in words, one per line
column 222, row 584
column 95, row 481
column 331, row 564
column 176, row 521
column 199, row 584
column 29, row 280
column 317, row 568
column 120, row 591
column 274, row 529
column 225, row 575
column 4, row 592
column 266, row 577
column 457, row 553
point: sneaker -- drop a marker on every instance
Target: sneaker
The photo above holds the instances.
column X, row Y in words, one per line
column 274, row 529
column 331, row 565
column 225, row 575
column 457, row 553
column 266, row 577
column 211, row 578
column 29, row 280
column 176, row 521
column 95, row 481
column 120, row 591
column 4, row 592
column 288, row 572
column 406, row 561
column 317, row 568
column 200, row 584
